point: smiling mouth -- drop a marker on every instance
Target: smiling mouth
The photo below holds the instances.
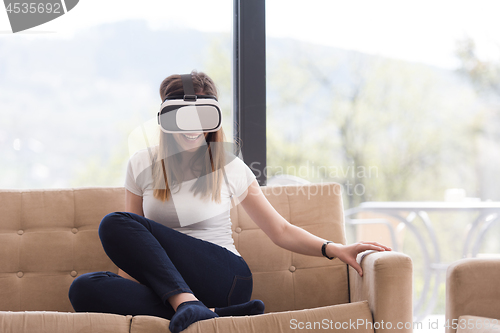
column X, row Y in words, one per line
column 191, row 137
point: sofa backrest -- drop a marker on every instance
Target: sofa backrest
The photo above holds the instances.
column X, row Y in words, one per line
column 49, row 237
column 286, row 280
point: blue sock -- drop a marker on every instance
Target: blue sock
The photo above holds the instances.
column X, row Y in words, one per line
column 188, row 313
column 254, row 307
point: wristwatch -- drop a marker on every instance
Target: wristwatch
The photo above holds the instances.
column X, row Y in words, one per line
column 323, row 250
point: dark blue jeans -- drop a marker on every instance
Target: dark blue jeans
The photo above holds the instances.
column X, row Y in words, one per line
column 165, row 262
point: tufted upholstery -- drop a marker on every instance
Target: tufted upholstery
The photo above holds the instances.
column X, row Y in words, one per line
column 48, row 237
column 304, row 281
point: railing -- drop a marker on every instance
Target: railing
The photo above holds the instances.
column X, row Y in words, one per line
column 408, row 213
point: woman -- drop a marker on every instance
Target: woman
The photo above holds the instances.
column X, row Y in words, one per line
column 174, row 245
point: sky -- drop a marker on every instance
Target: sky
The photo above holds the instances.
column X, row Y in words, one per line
column 420, row 31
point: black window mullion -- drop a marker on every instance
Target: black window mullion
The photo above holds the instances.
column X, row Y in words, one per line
column 249, row 83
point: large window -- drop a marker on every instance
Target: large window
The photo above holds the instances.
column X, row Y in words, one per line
column 370, row 94
column 73, row 89
column 395, row 100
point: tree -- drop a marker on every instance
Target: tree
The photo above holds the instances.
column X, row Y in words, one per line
column 385, row 129
column 484, row 75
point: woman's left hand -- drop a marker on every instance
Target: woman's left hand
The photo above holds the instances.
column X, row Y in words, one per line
column 348, row 253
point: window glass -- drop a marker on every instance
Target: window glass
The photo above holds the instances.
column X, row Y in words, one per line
column 396, row 101
column 376, row 95
column 73, row 89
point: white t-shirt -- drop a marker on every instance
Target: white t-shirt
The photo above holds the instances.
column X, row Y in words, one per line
column 201, row 218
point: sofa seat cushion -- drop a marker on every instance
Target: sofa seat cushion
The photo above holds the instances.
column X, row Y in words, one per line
column 309, row 320
column 475, row 324
column 63, row 322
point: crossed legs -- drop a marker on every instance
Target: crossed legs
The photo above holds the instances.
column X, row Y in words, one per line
column 173, row 269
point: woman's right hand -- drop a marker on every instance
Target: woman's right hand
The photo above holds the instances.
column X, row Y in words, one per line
column 349, row 253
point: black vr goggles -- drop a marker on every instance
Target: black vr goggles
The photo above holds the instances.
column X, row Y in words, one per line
column 189, row 113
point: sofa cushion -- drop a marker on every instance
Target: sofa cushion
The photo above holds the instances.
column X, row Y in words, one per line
column 328, row 318
column 289, row 281
column 60, row 322
column 47, row 238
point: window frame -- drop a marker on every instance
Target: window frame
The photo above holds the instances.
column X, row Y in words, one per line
column 249, row 84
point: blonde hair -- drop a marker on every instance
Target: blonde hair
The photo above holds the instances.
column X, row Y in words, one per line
column 167, row 173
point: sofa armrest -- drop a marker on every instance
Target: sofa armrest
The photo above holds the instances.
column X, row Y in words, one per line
column 387, row 286
column 472, row 288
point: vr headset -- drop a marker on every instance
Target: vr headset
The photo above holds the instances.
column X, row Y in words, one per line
column 189, row 113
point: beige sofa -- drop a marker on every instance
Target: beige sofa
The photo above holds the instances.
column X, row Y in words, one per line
column 473, row 296
column 49, row 237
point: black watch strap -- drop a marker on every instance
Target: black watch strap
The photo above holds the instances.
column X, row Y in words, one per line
column 323, row 250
